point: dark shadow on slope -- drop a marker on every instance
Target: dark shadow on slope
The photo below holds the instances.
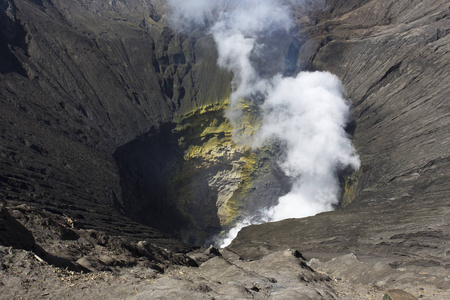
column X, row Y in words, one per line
column 147, row 166
column 12, row 35
column 14, row 234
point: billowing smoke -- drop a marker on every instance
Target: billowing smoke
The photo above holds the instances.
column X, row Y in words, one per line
column 306, row 113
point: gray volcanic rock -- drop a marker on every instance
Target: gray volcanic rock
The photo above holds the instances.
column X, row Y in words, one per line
column 394, row 62
column 90, row 80
column 279, row 275
column 393, row 57
column 66, row 246
column 78, row 80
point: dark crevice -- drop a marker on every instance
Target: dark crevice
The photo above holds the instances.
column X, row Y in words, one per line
column 168, row 87
column 366, row 109
column 323, row 43
column 389, row 73
column 38, row 2
column 147, row 166
column 12, row 38
column 292, row 57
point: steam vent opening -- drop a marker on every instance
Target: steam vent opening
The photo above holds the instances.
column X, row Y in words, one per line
column 191, row 180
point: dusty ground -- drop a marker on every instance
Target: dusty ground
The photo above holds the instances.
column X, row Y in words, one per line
column 42, row 253
column 23, row 276
column 280, row 275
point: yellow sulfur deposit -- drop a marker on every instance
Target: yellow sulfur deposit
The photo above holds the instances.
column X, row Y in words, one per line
column 217, row 172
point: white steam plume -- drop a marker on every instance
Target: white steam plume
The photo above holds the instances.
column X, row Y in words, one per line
column 307, row 113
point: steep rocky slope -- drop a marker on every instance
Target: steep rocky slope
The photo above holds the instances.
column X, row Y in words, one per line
column 393, row 58
column 86, row 87
column 78, row 81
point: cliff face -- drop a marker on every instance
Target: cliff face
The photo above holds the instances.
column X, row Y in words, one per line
column 190, row 178
column 81, row 80
column 78, row 80
column 393, row 57
column 393, row 60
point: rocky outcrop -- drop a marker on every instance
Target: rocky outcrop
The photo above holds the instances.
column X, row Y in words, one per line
column 280, row 275
column 190, row 178
column 87, row 250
